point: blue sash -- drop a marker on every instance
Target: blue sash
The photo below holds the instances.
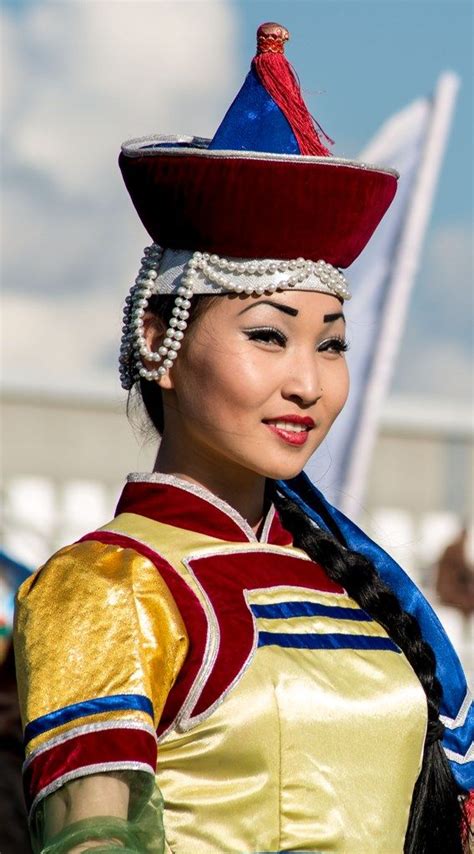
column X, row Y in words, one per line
column 457, row 710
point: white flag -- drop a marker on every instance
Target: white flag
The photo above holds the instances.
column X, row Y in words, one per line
column 381, row 279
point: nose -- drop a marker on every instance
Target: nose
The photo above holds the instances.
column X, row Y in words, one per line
column 302, row 384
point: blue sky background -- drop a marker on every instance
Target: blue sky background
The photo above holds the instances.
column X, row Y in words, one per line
column 79, row 76
column 369, row 58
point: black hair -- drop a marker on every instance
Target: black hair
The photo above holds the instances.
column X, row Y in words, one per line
column 437, row 822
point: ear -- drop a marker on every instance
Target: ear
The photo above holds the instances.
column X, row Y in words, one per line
column 154, row 331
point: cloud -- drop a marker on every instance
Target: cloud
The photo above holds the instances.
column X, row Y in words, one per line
column 88, row 75
column 79, row 79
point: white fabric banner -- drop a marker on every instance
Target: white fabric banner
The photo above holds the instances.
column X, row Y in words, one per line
column 381, row 280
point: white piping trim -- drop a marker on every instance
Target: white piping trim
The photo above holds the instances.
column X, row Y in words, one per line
column 197, row 719
column 211, row 651
column 268, row 524
column 190, row 720
column 460, row 719
column 197, row 146
column 83, row 730
column 458, row 757
column 253, row 548
column 224, row 548
column 184, row 719
column 85, row 771
column 200, row 492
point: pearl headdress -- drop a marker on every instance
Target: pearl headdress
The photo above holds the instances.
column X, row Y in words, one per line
column 188, row 273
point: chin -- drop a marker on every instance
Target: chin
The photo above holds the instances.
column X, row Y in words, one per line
column 282, row 470
column 282, row 464
column 286, row 474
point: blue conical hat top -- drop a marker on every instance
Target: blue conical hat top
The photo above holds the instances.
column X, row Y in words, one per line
column 269, row 114
column 254, row 122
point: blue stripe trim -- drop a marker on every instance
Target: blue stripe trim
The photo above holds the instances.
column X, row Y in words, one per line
column 118, row 702
column 309, row 609
column 332, row 641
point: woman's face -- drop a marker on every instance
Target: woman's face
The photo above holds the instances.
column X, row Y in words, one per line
column 258, row 382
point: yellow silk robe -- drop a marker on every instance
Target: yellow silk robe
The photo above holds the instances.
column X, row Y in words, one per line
column 285, row 717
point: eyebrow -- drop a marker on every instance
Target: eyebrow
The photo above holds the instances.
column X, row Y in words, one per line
column 330, row 318
column 286, row 309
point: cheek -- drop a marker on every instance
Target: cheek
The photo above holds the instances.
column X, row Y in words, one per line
column 336, row 387
column 218, row 382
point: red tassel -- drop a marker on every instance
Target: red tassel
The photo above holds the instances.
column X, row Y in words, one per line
column 281, row 83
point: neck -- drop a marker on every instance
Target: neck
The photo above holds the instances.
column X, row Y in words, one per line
column 242, row 489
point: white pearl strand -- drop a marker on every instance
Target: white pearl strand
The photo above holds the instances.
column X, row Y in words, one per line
column 213, row 268
column 134, row 310
column 134, row 349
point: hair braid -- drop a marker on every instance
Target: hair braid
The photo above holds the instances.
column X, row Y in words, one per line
column 437, row 824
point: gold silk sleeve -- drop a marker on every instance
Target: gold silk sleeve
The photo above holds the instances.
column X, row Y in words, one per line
column 99, row 642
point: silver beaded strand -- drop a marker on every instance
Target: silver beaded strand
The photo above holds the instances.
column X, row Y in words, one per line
column 134, row 349
column 134, row 310
column 214, row 268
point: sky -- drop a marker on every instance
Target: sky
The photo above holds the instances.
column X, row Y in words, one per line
column 81, row 76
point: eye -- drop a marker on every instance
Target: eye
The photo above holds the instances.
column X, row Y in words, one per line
column 333, row 345
column 266, row 335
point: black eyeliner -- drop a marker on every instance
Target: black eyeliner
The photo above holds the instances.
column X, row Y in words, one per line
column 278, row 335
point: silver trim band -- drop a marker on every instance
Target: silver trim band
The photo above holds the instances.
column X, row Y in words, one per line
column 156, row 145
column 83, row 730
column 458, row 757
column 200, row 492
column 460, row 719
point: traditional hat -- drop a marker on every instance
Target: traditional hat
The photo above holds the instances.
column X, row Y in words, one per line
column 262, row 206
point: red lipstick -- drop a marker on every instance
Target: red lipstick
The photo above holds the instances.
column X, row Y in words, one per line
column 282, row 427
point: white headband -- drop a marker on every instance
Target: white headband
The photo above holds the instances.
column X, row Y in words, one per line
column 185, row 273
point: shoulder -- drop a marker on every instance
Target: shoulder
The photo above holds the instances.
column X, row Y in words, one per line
column 95, row 614
column 98, row 567
column 99, row 643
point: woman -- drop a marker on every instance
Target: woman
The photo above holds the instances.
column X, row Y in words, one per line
column 228, row 607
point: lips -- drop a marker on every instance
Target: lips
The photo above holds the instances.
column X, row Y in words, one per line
column 292, row 429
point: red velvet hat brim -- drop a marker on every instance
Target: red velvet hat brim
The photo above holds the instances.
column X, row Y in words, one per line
column 253, row 205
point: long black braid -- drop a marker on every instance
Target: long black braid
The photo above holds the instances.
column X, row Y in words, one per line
column 437, row 822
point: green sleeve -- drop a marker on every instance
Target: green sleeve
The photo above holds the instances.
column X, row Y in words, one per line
column 140, row 833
